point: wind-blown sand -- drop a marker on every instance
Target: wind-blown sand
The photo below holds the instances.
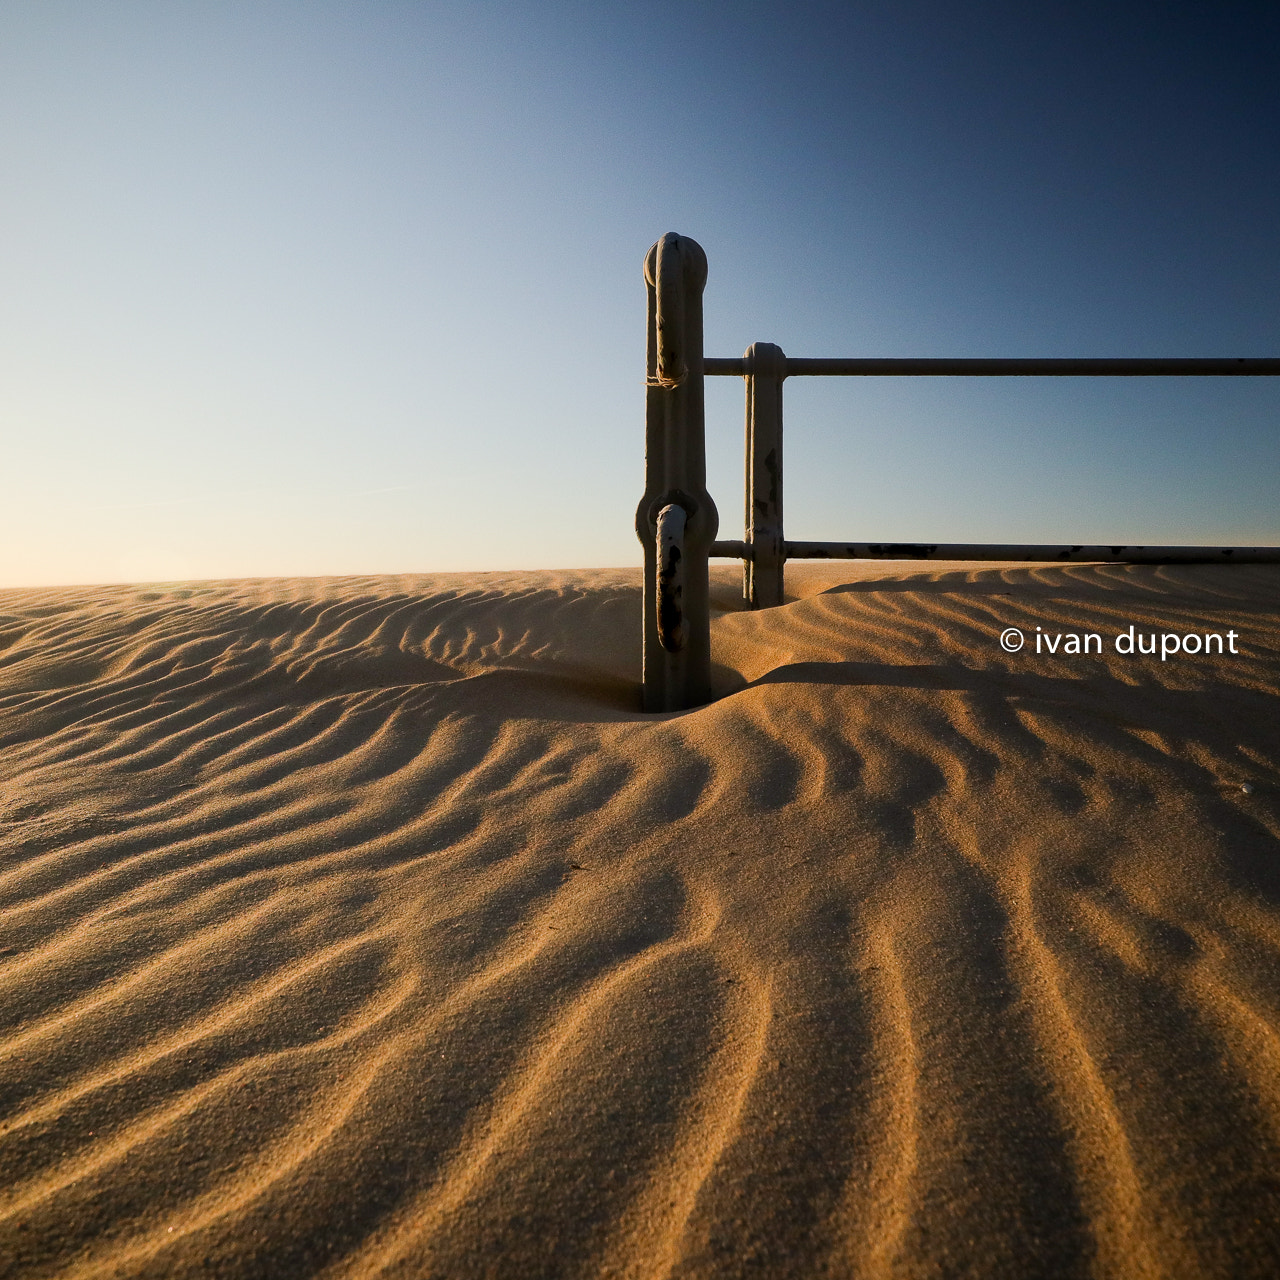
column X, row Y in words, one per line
column 364, row 926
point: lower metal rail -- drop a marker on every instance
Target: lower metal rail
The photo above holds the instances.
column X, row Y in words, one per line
column 1038, row 552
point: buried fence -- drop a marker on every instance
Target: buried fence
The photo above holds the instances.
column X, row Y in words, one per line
column 677, row 521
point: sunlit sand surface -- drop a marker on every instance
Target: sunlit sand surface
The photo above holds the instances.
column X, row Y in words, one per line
column 365, row 926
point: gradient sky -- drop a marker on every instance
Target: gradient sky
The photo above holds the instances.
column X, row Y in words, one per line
column 309, row 288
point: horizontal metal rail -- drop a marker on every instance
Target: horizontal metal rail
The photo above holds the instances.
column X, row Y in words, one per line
column 1010, row 551
column 1019, row 368
column 1036, row 552
column 780, row 366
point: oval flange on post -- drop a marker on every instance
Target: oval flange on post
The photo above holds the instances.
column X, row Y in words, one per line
column 675, row 272
column 669, row 608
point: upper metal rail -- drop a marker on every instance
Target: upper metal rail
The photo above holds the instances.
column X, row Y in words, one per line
column 1018, row 368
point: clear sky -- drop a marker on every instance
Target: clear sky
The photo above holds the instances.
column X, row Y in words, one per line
column 342, row 288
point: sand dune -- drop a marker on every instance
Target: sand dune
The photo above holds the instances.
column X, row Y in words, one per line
column 364, row 926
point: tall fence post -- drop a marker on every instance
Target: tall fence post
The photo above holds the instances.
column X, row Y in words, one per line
column 676, row 520
column 762, row 571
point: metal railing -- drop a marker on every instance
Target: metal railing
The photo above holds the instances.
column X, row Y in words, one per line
column 677, row 521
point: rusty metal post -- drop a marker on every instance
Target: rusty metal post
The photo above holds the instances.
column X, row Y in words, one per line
column 676, row 520
column 762, row 572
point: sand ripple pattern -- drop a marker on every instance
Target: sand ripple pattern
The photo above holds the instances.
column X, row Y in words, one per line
column 364, row 927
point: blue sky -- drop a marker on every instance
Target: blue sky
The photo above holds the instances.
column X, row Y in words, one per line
column 340, row 288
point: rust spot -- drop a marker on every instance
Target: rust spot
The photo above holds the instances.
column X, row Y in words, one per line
column 902, row 550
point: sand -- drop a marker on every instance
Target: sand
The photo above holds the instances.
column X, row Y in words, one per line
column 364, row 926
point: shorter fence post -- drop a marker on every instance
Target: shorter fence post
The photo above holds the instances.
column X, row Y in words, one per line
column 762, row 572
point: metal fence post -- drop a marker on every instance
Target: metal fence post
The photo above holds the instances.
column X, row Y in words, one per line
column 676, row 520
column 762, row 572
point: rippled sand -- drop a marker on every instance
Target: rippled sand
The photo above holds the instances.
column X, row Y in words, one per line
column 364, row 926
